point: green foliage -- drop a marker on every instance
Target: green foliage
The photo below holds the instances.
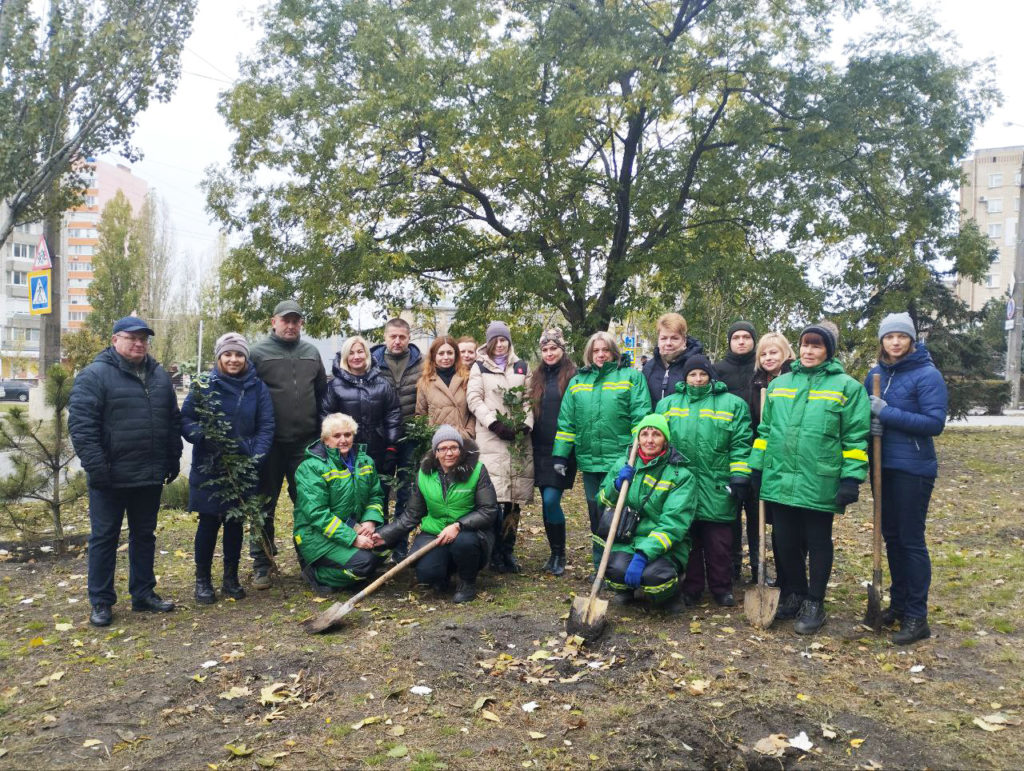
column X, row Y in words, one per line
column 966, row 394
column 118, row 267
column 73, row 83
column 419, row 431
column 232, row 475
column 81, row 346
column 40, row 456
column 590, row 159
column 175, row 495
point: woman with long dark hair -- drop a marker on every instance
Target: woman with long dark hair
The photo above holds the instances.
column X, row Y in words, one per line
column 441, row 390
column 547, row 386
column 911, row 410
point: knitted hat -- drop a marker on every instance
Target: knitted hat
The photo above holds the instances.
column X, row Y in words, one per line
column 897, row 322
column 231, row 341
column 744, row 326
column 699, row 361
column 446, row 433
column 825, row 333
column 497, row 329
column 553, row 335
column 654, row 420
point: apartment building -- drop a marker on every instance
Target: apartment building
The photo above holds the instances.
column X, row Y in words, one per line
column 19, row 333
column 990, row 196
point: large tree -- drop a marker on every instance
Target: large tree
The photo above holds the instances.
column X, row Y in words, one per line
column 119, row 265
column 72, row 81
column 590, row 157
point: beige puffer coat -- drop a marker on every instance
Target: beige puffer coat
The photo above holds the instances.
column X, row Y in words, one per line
column 446, row 404
column 511, row 471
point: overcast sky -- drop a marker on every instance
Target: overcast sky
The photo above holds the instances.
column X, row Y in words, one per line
column 182, row 138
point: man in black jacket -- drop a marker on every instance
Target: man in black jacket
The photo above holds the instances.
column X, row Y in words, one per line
column 293, row 371
column 126, row 428
column 736, row 370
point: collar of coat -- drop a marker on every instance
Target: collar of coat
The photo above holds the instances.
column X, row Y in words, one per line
column 623, row 363
column 330, row 455
column 830, row 367
column 463, row 469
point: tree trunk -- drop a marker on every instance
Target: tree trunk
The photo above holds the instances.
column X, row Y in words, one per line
column 50, row 324
column 55, row 466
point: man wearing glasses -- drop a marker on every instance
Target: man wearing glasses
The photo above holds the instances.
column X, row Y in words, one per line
column 126, row 428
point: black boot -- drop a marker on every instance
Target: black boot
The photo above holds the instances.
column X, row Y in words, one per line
column 231, row 587
column 508, row 547
column 465, row 591
column 912, row 629
column 556, row 541
column 204, row 586
column 810, row 618
column 891, row 615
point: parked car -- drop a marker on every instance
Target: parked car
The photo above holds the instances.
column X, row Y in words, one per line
column 14, row 390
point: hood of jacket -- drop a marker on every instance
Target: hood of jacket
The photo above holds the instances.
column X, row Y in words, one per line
column 112, row 358
column 920, row 357
column 463, row 469
column 830, row 367
column 481, row 356
column 716, row 387
column 321, row 451
column 378, row 351
column 623, row 363
column 234, row 384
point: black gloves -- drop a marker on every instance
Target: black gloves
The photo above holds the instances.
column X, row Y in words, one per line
column 849, row 492
column 755, row 482
column 172, row 474
column 502, row 431
column 559, row 466
column 738, row 487
column 390, row 463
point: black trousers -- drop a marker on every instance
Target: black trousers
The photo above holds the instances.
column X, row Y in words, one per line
column 206, row 539
column 466, row 556
column 108, row 507
column 795, row 529
column 281, row 463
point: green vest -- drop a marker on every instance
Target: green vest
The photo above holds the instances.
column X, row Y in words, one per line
column 443, row 509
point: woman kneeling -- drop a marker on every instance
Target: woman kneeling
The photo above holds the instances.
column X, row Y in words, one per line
column 453, row 501
column 338, row 506
column 663, row 495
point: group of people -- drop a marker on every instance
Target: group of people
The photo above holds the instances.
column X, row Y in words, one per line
column 689, row 437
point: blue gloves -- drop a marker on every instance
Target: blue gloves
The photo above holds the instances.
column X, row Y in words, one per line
column 625, row 475
column 635, row 571
column 877, row 405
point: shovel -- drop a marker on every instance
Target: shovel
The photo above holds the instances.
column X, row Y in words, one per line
column 761, row 602
column 873, row 616
column 332, row 617
column 587, row 617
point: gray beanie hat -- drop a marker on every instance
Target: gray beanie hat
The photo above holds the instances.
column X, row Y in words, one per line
column 497, row 329
column 231, row 341
column 446, row 433
column 897, row 322
column 552, row 335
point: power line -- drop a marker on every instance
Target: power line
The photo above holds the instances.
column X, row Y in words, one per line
column 207, row 61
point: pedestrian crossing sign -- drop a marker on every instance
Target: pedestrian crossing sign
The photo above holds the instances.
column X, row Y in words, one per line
column 39, row 292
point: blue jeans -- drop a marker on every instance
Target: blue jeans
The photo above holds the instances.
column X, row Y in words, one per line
column 107, row 509
column 905, row 499
column 551, row 505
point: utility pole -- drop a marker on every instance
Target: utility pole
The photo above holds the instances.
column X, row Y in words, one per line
column 1013, row 343
column 50, row 324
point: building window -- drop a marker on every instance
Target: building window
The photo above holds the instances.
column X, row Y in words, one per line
column 78, row 299
column 24, row 251
column 1011, row 233
column 1016, row 179
column 995, row 180
column 78, row 265
column 90, row 200
column 84, row 249
column 82, row 233
column 992, row 281
column 995, row 229
column 29, row 227
column 995, row 205
column 77, row 315
column 18, row 277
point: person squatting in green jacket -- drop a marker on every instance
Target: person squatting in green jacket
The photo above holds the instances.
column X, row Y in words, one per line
column 338, row 506
column 711, row 428
column 605, row 399
column 809, row 459
column 663, row 493
column 454, row 503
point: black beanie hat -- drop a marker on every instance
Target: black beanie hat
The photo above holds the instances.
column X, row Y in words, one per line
column 744, row 326
column 699, row 361
column 826, row 334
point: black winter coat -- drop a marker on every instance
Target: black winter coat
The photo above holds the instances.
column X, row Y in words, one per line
column 406, row 389
column 661, row 380
column 737, row 372
column 545, row 425
column 371, row 401
column 125, row 427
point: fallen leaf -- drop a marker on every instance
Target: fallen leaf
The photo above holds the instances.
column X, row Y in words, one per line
column 486, row 714
column 269, row 695
column 399, row 751
column 210, row 663
column 199, row 678
column 369, row 721
column 1001, row 718
column 801, row 742
column 917, row 668
column 319, row 599
column 774, row 745
column 398, row 730
column 803, row 697
column 697, row 687
column 239, row 750
column 235, row 692
column 481, row 702
column 539, row 654
column 728, row 630
column 227, row 658
column 264, row 762
column 35, row 642
column 828, row 731
column 984, row 725
column 91, row 743
column 855, row 743
column 63, row 627
column 537, row 735
column 530, row 706
column 421, row 690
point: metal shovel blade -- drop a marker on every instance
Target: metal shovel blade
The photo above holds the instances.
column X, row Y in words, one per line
column 329, row 618
column 760, row 603
column 588, row 618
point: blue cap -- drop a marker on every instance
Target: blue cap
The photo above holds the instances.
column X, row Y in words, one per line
column 132, row 324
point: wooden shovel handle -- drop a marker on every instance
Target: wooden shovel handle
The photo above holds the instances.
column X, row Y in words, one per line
column 876, row 479
column 368, row 590
column 761, row 549
column 619, row 504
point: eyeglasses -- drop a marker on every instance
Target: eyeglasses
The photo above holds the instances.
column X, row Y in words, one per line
column 448, row 450
column 144, row 339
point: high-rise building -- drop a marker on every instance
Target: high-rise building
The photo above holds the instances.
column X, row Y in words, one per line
column 19, row 334
column 990, row 196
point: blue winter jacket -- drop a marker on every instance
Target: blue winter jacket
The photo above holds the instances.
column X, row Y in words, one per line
column 245, row 401
column 917, row 402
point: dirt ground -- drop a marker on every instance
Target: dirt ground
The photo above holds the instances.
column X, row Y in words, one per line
column 241, row 685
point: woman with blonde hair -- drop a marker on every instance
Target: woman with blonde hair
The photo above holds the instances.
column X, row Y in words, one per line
column 602, row 403
column 359, row 389
column 675, row 346
column 441, row 390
